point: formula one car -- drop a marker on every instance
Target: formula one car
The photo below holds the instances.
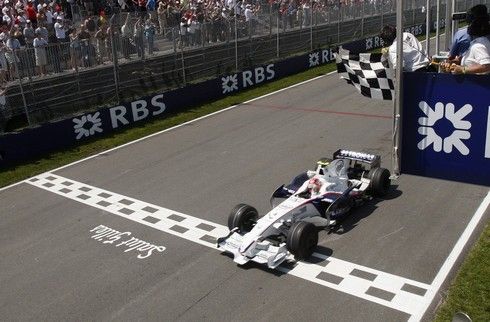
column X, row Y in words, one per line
column 313, row 200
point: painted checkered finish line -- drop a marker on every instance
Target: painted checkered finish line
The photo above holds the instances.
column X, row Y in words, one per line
column 386, row 289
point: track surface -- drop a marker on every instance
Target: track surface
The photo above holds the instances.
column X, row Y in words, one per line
column 175, row 190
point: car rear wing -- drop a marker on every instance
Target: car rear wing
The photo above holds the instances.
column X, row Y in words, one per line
column 371, row 159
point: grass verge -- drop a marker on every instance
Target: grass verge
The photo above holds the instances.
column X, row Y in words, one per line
column 470, row 290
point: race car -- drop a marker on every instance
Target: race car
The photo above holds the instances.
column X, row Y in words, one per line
column 314, row 200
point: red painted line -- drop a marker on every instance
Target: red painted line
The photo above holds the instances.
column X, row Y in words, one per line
column 320, row 111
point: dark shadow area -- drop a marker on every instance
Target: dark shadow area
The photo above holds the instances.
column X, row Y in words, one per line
column 351, row 220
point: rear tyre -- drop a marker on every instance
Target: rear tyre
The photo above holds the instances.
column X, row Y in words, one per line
column 302, row 239
column 380, row 182
column 244, row 217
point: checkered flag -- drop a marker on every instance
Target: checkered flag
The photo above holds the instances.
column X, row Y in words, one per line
column 368, row 72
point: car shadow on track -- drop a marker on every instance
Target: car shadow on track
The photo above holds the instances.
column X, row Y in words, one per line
column 357, row 214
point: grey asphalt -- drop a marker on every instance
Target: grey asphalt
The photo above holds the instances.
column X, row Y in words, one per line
column 50, row 268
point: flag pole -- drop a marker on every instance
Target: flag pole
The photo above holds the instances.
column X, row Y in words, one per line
column 427, row 28
column 397, row 111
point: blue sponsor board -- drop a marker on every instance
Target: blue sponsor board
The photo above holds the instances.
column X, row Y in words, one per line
column 446, row 127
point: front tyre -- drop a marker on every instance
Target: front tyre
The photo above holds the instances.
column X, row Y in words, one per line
column 380, row 182
column 302, row 239
column 244, row 217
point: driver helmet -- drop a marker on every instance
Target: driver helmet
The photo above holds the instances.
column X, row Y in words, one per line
column 314, row 185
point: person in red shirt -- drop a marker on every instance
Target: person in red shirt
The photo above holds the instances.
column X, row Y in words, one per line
column 31, row 13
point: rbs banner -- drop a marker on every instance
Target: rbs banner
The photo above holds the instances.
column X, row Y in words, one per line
column 446, row 127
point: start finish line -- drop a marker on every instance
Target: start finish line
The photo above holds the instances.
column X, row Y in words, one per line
column 446, row 127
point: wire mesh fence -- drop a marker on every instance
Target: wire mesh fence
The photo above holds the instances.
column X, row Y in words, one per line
column 135, row 54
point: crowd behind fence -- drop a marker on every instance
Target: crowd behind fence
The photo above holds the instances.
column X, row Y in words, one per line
column 142, row 36
column 69, row 40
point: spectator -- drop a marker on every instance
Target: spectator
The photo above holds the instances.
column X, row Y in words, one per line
column 91, row 26
column 31, row 13
column 150, row 31
column 123, row 4
column 476, row 60
column 414, row 58
column 13, row 45
column 150, row 7
column 138, row 38
column 29, row 34
column 43, row 31
column 75, row 49
column 86, row 46
column 48, row 12
column 60, row 29
column 306, row 13
column 126, row 32
column 292, row 9
column 183, row 33
column 40, row 16
column 162, row 18
column 89, row 6
column 3, row 62
column 101, row 39
column 40, row 52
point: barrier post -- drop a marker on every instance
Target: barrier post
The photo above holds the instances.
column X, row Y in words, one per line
column 438, row 9
column 448, row 26
column 182, row 58
column 114, row 58
column 236, row 41
column 427, row 28
column 21, row 87
column 311, row 28
column 338, row 22
column 277, row 34
column 398, row 102
column 362, row 19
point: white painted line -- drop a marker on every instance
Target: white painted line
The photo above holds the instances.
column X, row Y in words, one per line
column 451, row 259
column 337, row 274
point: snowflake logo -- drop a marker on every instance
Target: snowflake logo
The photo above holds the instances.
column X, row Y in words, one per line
column 369, row 43
column 456, row 138
column 229, row 83
column 314, row 59
column 87, row 125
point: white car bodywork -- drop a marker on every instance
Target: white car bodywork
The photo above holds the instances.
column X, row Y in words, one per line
column 255, row 245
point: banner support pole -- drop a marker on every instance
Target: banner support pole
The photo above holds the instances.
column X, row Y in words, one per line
column 397, row 111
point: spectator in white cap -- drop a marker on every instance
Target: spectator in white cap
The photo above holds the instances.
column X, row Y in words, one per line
column 60, row 29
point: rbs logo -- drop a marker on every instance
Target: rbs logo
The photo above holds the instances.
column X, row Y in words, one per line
column 252, row 77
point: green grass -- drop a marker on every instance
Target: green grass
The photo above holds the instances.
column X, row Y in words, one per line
column 470, row 290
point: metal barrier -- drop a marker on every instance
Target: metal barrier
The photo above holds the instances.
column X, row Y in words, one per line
column 109, row 66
